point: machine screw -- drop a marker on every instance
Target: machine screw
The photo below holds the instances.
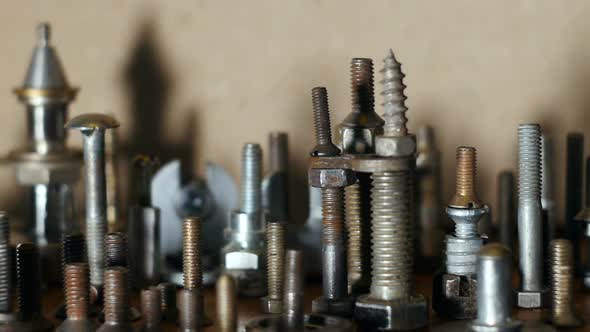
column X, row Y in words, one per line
column 168, row 305
column 530, row 223
column 506, row 208
column 115, row 245
column 151, row 310
column 562, row 282
column 250, row 198
column 465, row 196
column 227, row 311
column 5, row 270
column 494, row 275
column 93, row 127
column 292, row 318
column 77, row 294
column 335, row 299
column 116, row 300
column 275, row 255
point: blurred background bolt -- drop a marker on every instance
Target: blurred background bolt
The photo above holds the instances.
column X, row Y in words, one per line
column 168, row 306
column 6, row 268
column 116, row 300
column 562, row 285
column 227, row 310
column 506, row 209
column 151, row 309
column 77, row 293
column 275, row 256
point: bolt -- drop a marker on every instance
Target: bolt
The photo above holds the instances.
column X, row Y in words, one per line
column 227, row 310
column 494, row 274
column 115, row 245
column 292, row 317
column 361, row 73
column 531, row 293
column 278, row 144
column 465, row 196
column 357, row 221
column 28, row 288
column 5, row 270
column 323, row 129
column 150, row 307
column 562, row 282
column 275, row 185
column 168, row 305
column 93, row 126
column 251, row 179
column 275, row 256
column 506, row 208
column 77, row 293
column 74, row 249
column 116, row 300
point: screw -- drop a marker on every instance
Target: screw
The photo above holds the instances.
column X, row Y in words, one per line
column 531, row 294
column 115, row 245
column 323, row 129
column 494, row 274
column 394, row 99
column 251, row 178
column 363, row 96
column 354, row 230
column 227, row 310
column 506, row 208
column 74, row 249
column 562, row 311
column 292, row 317
column 275, row 255
column 77, row 294
column 5, row 269
column 93, row 126
column 116, row 300
column 465, row 196
column 151, row 310
column 168, row 305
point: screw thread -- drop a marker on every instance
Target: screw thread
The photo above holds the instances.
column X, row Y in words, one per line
column 150, row 307
column 466, row 230
column 562, row 277
column 5, row 265
column 77, row 290
column 361, row 76
column 394, row 99
column 95, row 248
column 333, row 215
column 275, row 252
column 28, row 279
column 293, row 291
column 353, row 221
column 116, row 250
column 227, row 311
column 392, row 235
column 251, row 177
column 321, row 121
column 191, row 253
column 190, row 313
column 168, row 297
column 74, row 249
column 116, row 295
column 529, row 163
column 465, row 196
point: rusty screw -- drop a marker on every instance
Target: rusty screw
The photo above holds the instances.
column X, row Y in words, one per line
column 227, row 310
column 562, row 282
column 151, row 310
column 323, row 129
column 116, row 300
column 115, row 245
column 77, row 291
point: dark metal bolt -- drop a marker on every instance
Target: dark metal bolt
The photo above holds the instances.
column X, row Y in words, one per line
column 74, row 249
column 506, row 208
column 5, row 268
column 323, row 130
column 115, row 249
column 77, row 293
column 151, row 309
column 144, row 167
column 116, row 300
column 573, row 192
column 292, row 317
column 168, row 305
column 363, row 95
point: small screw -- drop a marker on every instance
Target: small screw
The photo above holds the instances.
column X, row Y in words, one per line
column 116, row 300
column 77, row 292
column 323, row 129
column 562, row 282
column 168, row 305
column 465, row 196
column 227, row 310
column 151, row 309
column 275, row 255
column 292, row 318
column 115, row 245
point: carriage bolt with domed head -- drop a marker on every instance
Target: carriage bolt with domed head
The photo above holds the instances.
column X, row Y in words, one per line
column 392, row 303
column 335, row 299
column 93, row 127
column 530, row 222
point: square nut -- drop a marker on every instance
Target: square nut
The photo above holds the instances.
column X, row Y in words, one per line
column 407, row 314
column 331, row 178
column 389, row 146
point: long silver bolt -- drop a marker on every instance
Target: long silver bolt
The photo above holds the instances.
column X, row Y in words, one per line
column 530, row 222
column 251, row 196
column 5, row 269
column 116, row 300
column 227, row 311
column 150, row 308
column 494, row 275
column 77, row 294
column 562, row 285
column 93, row 126
column 292, row 318
column 275, row 256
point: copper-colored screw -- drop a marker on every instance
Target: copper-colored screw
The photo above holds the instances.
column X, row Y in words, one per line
column 116, row 300
column 151, row 309
column 226, row 303
column 191, row 254
column 77, row 290
column 562, row 311
column 465, row 196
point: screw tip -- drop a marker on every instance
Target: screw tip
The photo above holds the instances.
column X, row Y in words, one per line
column 43, row 34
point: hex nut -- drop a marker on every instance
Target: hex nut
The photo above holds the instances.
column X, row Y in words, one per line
column 270, row 306
column 455, row 296
column 343, row 307
column 406, row 314
column 331, row 178
column 243, row 260
column 530, row 299
column 388, row 146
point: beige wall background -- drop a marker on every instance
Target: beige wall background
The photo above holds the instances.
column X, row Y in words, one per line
column 202, row 77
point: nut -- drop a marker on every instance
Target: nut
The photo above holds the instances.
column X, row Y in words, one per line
column 532, row 299
column 455, row 296
column 271, row 306
column 343, row 307
column 359, row 140
column 403, row 314
column 398, row 146
column 331, row 178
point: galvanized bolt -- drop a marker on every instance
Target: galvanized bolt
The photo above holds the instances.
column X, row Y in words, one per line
column 292, row 317
column 92, row 127
column 275, row 256
column 227, row 311
column 251, row 196
column 77, row 293
column 5, row 270
column 530, row 223
column 150, row 307
column 494, row 305
column 168, row 305
column 116, row 300
column 562, row 285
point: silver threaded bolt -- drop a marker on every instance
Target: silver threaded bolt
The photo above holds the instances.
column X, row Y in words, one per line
column 227, row 311
column 275, row 255
column 529, row 207
column 150, row 307
column 394, row 99
column 562, row 282
column 251, row 196
column 5, row 266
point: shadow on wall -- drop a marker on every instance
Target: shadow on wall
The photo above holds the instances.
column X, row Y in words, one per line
column 149, row 81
